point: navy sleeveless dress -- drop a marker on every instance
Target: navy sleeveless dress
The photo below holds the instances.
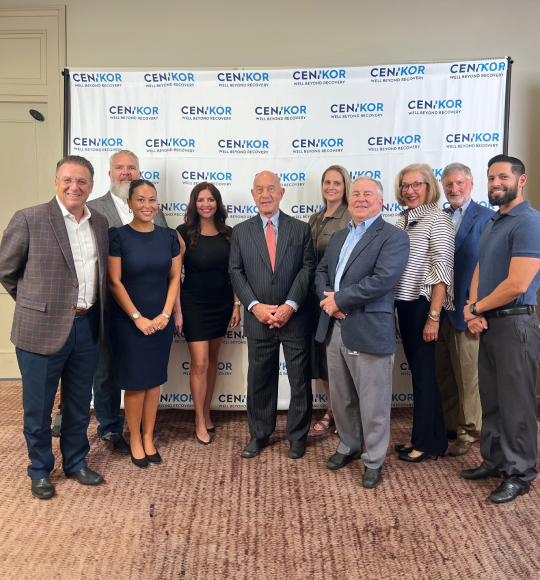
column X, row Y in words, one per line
column 139, row 361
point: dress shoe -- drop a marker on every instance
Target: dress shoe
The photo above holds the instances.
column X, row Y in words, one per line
column 119, row 443
column 400, row 448
column 372, row 477
column 253, row 447
column 460, row 447
column 509, row 490
column 339, row 460
column 86, row 476
column 297, row 450
column 404, row 456
column 42, row 488
column 142, row 463
column 480, row 472
column 155, row 458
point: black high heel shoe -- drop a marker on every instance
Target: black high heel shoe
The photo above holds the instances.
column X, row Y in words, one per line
column 155, row 458
column 201, row 441
column 142, row 463
column 211, row 430
column 404, row 456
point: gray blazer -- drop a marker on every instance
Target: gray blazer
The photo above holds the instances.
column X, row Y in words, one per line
column 38, row 271
column 252, row 277
column 105, row 205
column 366, row 289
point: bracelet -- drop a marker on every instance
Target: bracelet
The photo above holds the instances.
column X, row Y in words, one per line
column 432, row 318
column 434, row 313
column 167, row 316
column 237, row 303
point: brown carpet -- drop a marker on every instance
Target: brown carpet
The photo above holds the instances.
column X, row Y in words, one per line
column 207, row 514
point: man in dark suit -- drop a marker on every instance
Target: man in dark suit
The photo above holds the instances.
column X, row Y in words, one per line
column 53, row 262
column 271, row 267
column 124, row 168
column 355, row 283
column 456, row 360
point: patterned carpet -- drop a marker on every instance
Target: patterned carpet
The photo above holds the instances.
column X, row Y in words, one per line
column 207, row 514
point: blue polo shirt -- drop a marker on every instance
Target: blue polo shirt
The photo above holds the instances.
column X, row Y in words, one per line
column 515, row 234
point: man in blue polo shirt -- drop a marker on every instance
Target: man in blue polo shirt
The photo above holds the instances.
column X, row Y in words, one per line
column 501, row 310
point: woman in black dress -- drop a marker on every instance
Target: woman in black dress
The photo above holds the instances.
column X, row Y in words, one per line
column 144, row 279
column 207, row 302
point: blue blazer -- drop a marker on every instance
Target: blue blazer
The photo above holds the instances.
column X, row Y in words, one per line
column 366, row 289
column 466, row 257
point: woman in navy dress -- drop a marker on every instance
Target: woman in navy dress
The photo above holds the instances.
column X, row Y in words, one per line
column 144, row 279
column 207, row 304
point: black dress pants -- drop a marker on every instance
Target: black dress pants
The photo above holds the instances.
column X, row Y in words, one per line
column 428, row 433
column 263, row 378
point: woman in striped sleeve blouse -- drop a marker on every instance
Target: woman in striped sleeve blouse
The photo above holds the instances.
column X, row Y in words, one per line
column 424, row 289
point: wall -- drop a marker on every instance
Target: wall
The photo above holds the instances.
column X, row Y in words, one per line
column 255, row 34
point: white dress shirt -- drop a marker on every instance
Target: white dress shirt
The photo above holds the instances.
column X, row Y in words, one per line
column 123, row 209
column 84, row 250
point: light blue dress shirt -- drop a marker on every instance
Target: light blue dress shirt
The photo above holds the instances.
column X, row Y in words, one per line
column 275, row 222
column 354, row 236
column 457, row 215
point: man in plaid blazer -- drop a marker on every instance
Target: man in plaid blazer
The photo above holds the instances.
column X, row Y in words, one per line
column 53, row 263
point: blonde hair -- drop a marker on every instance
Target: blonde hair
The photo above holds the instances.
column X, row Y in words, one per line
column 346, row 179
column 434, row 192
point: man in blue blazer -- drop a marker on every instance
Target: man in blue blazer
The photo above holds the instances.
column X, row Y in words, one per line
column 271, row 266
column 457, row 349
column 355, row 283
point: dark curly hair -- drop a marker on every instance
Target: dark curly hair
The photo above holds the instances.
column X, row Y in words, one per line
column 192, row 218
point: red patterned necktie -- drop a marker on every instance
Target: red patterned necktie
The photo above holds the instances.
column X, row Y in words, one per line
column 271, row 242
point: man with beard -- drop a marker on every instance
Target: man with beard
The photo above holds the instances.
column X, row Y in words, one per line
column 113, row 205
column 501, row 310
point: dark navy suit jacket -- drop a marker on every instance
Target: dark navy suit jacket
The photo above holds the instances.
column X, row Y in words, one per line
column 466, row 257
column 253, row 279
column 366, row 289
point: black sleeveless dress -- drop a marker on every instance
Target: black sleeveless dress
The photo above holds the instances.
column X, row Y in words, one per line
column 206, row 294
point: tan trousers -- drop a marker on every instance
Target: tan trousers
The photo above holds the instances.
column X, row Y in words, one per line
column 456, row 367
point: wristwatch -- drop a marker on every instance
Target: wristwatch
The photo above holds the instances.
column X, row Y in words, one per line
column 434, row 313
column 472, row 308
column 135, row 315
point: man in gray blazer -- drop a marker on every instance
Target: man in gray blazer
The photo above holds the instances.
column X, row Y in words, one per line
column 271, row 267
column 355, row 283
column 53, row 263
column 124, row 168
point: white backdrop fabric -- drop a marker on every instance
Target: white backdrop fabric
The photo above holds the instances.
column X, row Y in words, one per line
column 227, row 126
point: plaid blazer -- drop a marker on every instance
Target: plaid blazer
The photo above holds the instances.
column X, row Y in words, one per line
column 38, row 271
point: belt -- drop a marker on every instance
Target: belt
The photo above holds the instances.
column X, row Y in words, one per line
column 83, row 312
column 515, row 311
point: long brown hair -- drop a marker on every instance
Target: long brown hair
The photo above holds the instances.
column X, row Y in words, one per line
column 192, row 219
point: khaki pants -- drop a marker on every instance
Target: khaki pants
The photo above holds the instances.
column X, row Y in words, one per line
column 456, row 367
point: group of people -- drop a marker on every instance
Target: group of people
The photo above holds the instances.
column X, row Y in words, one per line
column 98, row 295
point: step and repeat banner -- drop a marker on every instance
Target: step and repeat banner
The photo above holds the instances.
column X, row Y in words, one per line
column 227, row 126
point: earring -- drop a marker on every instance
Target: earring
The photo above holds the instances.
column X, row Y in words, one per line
column 130, row 210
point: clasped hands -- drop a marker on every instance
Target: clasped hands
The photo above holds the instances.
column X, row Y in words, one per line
column 148, row 327
column 477, row 324
column 330, row 307
column 272, row 314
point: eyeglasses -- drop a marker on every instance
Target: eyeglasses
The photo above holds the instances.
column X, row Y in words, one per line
column 404, row 187
column 79, row 182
